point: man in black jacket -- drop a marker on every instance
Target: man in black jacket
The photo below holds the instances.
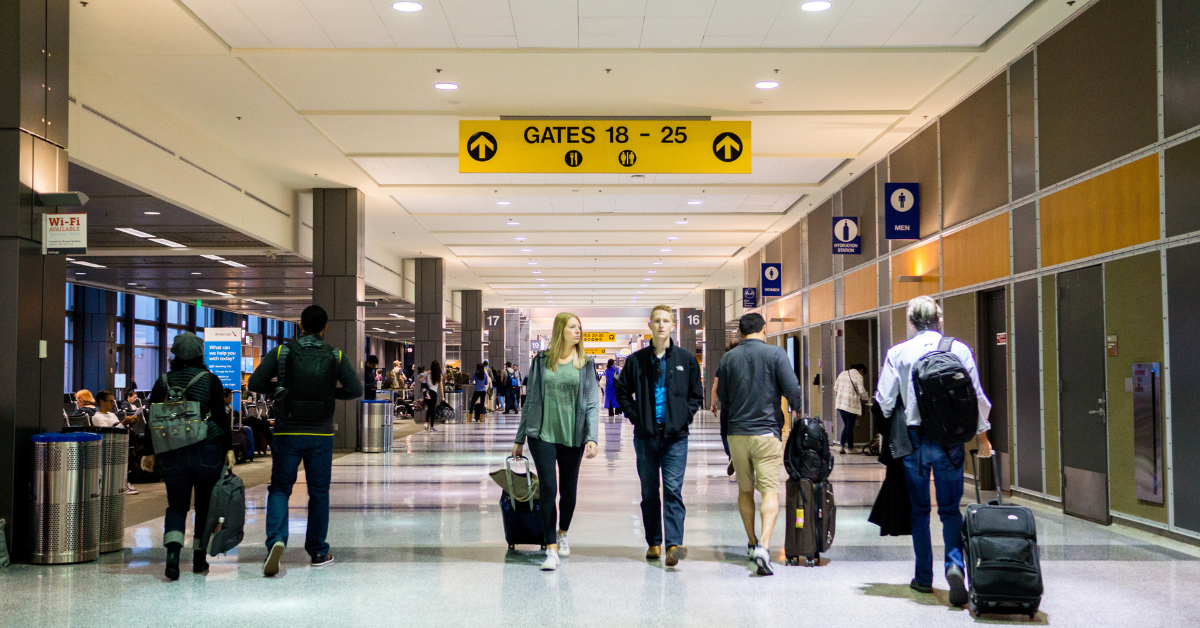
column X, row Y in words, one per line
column 659, row 390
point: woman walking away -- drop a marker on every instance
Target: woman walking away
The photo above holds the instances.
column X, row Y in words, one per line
column 193, row 468
column 560, row 422
column 480, row 381
column 610, row 388
column 433, row 392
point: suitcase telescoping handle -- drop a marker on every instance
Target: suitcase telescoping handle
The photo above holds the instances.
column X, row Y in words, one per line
column 995, row 474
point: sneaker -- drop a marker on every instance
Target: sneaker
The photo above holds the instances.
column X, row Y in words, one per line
column 763, row 559
column 750, row 550
column 654, row 552
column 271, row 567
column 675, row 553
column 130, row 489
column 551, row 562
column 564, row 547
column 320, row 560
column 958, row 590
column 843, row 451
column 920, row 588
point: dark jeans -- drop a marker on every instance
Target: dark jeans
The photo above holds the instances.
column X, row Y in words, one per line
column 848, row 421
column 477, row 401
column 431, row 407
column 317, row 454
column 544, row 456
column 191, row 469
column 510, row 399
column 667, row 458
column 946, row 463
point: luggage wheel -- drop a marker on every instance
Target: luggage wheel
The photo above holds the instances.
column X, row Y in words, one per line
column 512, row 548
column 793, row 561
column 810, row 562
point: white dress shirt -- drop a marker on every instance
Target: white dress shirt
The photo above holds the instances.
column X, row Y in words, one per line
column 895, row 382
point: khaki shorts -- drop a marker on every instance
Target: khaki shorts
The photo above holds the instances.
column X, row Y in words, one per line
column 756, row 461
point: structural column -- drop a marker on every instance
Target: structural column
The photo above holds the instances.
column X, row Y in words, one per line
column 430, row 341
column 471, row 348
column 33, row 160
column 339, row 235
column 495, row 348
column 714, row 337
column 99, row 337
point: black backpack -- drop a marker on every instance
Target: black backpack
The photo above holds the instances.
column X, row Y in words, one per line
column 306, row 380
column 945, row 396
column 807, row 454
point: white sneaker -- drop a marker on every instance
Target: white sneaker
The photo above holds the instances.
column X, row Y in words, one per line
column 130, row 490
column 551, row 562
column 564, row 547
column 762, row 559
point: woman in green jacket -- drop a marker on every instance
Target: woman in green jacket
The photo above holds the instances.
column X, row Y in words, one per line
column 559, row 418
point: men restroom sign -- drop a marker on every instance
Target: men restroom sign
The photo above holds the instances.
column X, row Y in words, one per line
column 902, row 211
column 846, row 238
column 772, row 282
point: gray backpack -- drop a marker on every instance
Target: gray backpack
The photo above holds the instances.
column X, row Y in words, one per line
column 226, row 523
column 177, row 422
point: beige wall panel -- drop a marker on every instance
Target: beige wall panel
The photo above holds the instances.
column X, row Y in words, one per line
column 920, row 261
column 862, row 290
column 976, row 254
column 820, row 303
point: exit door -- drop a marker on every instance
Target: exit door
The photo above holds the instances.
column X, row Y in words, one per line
column 1082, row 393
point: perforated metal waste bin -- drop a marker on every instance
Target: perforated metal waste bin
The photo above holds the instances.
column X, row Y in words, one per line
column 457, row 401
column 375, row 426
column 114, row 471
column 66, row 498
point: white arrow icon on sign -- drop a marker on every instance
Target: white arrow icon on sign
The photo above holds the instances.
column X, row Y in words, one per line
column 902, row 200
column 845, row 230
column 771, row 273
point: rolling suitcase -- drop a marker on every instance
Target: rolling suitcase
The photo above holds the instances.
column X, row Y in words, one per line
column 811, row 521
column 1000, row 550
column 522, row 519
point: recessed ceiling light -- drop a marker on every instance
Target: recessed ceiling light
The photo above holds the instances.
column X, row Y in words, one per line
column 151, row 213
column 681, row 222
column 766, row 84
column 658, row 263
column 519, row 238
column 132, row 283
column 512, row 223
column 170, row 243
column 134, row 232
column 537, row 272
column 446, row 85
column 695, row 202
column 652, row 271
column 526, row 250
column 815, row 6
column 80, row 273
column 407, row 7
column 308, row 272
column 195, row 273
column 672, row 238
column 665, row 250
column 533, row 263
column 540, row 279
column 504, row 202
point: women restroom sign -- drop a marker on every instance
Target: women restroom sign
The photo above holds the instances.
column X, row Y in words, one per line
column 902, row 211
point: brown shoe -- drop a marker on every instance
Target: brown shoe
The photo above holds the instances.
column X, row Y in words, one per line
column 675, row 553
column 654, row 553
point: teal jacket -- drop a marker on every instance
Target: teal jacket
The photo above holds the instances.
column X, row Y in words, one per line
column 587, row 405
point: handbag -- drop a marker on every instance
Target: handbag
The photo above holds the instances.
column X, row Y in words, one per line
column 177, row 422
column 520, row 487
column 226, row 523
column 444, row 413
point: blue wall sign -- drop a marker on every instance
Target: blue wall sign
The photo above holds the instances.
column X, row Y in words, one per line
column 902, row 211
column 749, row 297
column 223, row 356
column 846, row 238
column 772, row 280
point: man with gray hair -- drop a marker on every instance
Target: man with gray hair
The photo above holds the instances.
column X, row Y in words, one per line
column 922, row 453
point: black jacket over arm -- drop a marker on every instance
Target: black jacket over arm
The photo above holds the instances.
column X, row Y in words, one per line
column 685, row 393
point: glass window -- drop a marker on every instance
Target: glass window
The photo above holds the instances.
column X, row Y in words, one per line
column 253, row 325
column 68, row 369
column 71, row 297
column 177, row 313
column 69, row 332
column 204, row 317
column 272, row 327
column 171, row 333
column 122, row 299
column 269, row 344
column 145, row 308
column 145, row 336
column 200, row 333
column 145, row 355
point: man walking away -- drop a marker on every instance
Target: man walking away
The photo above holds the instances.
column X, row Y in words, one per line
column 370, row 383
column 914, row 439
column 751, row 379
column 660, row 391
column 512, row 387
column 307, row 373
column 850, row 395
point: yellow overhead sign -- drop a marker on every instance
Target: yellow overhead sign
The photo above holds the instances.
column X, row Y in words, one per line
column 604, row 146
column 599, row 336
column 595, row 351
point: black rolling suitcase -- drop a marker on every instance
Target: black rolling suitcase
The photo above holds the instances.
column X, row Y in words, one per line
column 1000, row 549
column 522, row 517
column 811, row 521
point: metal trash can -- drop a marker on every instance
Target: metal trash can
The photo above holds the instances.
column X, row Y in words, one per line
column 114, row 471
column 457, row 401
column 66, row 498
column 375, row 426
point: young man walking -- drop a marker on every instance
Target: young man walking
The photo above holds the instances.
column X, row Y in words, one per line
column 512, row 387
column 303, row 375
column 921, row 455
column 659, row 391
column 751, row 379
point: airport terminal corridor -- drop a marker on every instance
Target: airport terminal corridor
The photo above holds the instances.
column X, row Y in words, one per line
column 419, row 542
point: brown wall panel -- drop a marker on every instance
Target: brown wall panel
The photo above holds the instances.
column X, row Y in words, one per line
column 820, row 243
column 1111, row 211
column 917, row 161
column 975, row 153
column 899, row 326
column 1024, row 236
column 1181, row 65
column 960, row 319
column 820, row 303
column 858, row 200
column 862, row 291
column 976, row 254
column 793, row 271
column 1021, row 109
column 1097, row 88
column 1183, row 187
column 919, row 261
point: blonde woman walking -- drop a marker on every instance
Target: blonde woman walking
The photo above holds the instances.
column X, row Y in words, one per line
column 559, row 419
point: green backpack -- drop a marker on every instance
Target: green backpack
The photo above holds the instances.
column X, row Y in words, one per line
column 177, row 422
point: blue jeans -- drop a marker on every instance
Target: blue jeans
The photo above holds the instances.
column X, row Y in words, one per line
column 947, row 466
column 194, row 468
column 317, row 454
column 667, row 458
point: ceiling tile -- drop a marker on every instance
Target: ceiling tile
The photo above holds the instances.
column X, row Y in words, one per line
column 610, row 32
column 724, row 9
column 927, row 30
column 612, row 8
column 547, row 31
column 357, row 32
column 679, row 8
column 420, row 32
column 987, row 22
column 965, row 8
column 475, row 8
column 673, row 32
column 542, row 8
column 228, row 21
column 286, row 23
column 876, row 8
column 863, row 32
column 480, row 26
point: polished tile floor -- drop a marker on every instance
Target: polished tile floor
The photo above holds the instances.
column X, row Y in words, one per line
column 419, row 542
